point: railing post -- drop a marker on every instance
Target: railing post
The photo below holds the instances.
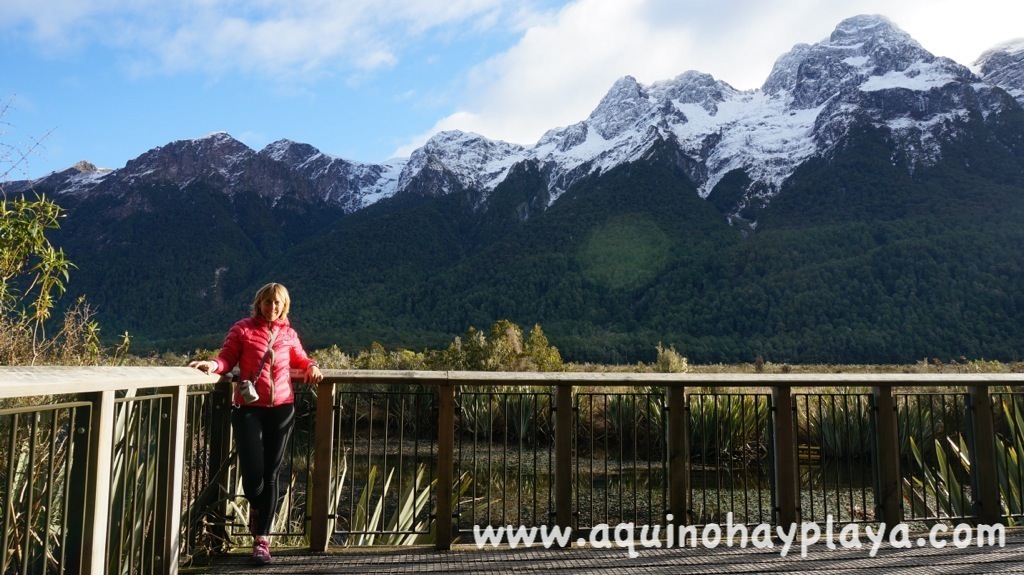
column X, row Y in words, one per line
column 787, row 480
column 445, row 465
column 321, row 508
column 888, row 508
column 984, row 476
column 97, row 484
column 678, row 457
column 220, row 451
column 563, row 455
column 76, row 527
column 170, row 484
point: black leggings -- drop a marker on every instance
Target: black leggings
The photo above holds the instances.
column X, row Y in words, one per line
column 261, row 436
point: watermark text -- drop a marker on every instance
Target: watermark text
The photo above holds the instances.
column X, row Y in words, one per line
column 631, row 537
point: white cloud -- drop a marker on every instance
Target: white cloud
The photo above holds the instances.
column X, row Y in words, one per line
column 561, row 68
column 960, row 29
column 294, row 38
column 60, row 25
column 256, row 140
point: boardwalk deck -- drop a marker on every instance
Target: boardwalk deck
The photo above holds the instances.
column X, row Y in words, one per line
column 578, row 560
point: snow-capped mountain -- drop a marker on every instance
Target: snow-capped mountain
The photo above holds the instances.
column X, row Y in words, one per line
column 867, row 70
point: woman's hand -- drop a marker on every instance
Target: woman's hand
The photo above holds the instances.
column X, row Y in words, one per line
column 313, row 374
column 207, row 367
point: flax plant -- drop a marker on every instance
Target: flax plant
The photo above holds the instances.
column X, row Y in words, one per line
column 941, row 487
column 35, row 478
column 525, row 413
column 478, row 412
column 636, row 418
column 1010, row 458
column 838, row 424
column 406, row 526
column 728, row 425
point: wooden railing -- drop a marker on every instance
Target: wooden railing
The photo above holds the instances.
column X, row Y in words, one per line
column 87, row 477
column 87, row 473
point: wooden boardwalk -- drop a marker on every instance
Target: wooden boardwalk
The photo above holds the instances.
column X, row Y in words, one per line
column 464, row 559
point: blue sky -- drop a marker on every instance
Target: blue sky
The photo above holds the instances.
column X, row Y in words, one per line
column 106, row 80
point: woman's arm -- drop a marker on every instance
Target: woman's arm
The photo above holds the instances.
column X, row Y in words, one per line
column 229, row 354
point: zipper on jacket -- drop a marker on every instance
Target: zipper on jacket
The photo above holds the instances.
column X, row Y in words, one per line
column 273, row 360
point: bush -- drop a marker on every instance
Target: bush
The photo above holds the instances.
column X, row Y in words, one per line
column 670, row 361
column 502, row 349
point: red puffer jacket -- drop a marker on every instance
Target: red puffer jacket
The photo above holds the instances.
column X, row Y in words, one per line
column 245, row 345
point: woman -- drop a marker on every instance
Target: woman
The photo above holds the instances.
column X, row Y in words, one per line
column 265, row 348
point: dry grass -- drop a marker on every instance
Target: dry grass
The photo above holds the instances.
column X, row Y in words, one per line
column 924, row 366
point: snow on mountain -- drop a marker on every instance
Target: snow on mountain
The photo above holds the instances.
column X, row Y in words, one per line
column 1003, row 66
column 756, row 133
column 79, row 178
column 866, row 70
column 216, row 155
column 283, row 167
column 85, row 175
column 353, row 185
column 461, row 159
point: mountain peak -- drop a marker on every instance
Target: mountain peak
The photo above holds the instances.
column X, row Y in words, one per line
column 865, row 27
column 620, row 108
column 878, row 38
column 219, row 136
column 215, row 154
column 859, row 48
column 693, row 87
column 222, row 142
column 86, row 166
column 1003, row 66
column 290, row 152
column 465, row 157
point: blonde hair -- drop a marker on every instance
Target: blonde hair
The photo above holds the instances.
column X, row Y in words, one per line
column 271, row 291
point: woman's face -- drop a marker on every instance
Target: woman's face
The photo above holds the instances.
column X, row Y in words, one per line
column 272, row 307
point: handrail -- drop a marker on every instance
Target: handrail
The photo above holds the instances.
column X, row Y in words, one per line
column 99, row 385
column 59, row 380
column 738, row 380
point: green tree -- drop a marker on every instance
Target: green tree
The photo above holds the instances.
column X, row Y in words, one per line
column 28, row 258
column 504, row 346
column 374, row 358
column 542, row 354
column 502, row 349
column 466, row 353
